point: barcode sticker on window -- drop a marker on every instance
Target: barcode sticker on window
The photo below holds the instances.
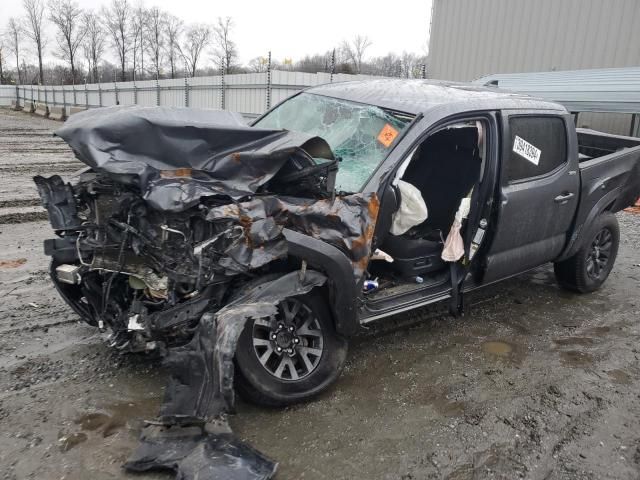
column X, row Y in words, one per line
column 526, row 150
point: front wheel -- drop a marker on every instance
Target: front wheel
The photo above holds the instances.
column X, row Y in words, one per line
column 588, row 269
column 293, row 358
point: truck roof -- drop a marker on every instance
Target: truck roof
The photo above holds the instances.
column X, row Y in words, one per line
column 416, row 96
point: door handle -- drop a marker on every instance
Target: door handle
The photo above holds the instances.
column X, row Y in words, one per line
column 563, row 198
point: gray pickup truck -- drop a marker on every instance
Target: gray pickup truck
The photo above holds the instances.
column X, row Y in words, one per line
column 344, row 204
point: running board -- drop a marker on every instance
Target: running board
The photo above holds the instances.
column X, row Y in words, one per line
column 410, row 298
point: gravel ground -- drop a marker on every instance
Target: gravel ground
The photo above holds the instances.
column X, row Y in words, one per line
column 533, row 382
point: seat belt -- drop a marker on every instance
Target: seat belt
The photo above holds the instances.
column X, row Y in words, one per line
column 456, row 304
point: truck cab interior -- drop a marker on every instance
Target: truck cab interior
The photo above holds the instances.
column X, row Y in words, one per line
column 444, row 169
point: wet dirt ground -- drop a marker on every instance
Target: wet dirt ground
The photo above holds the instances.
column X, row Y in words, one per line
column 533, row 382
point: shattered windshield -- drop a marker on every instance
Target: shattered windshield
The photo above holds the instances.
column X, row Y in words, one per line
column 361, row 135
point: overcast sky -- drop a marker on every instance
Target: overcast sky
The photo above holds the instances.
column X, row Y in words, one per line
column 292, row 29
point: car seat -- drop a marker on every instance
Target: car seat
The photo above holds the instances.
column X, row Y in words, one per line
column 447, row 168
column 444, row 169
column 411, row 256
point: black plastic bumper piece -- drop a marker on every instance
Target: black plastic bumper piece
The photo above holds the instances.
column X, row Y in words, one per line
column 63, row 250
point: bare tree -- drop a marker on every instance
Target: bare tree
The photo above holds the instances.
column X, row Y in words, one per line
column 355, row 50
column 197, row 38
column 173, row 29
column 118, row 23
column 13, row 39
column 93, row 46
column 389, row 65
column 314, row 63
column 66, row 15
column 33, row 29
column 225, row 47
column 412, row 64
column 138, row 29
column 3, row 50
column 155, row 37
column 258, row 65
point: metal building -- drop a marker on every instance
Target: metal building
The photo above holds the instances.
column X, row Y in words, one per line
column 474, row 38
column 584, row 92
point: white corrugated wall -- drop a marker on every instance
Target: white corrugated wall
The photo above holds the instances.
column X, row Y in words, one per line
column 246, row 93
column 474, row 38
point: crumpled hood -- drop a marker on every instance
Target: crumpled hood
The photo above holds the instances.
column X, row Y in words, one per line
column 179, row 155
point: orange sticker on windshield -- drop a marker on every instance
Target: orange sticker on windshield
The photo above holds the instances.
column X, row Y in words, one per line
column 387, row 135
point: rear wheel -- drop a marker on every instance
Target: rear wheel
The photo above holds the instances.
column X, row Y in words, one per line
column 588, row 269
column 290, row 358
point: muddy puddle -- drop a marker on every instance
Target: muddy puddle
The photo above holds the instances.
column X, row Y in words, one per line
column 500, row 349
column 13, row 263
column 619, row 376
column 117, row 416
column 67, row 442
column 576, row 358
column 507, row 353
column 583, row 341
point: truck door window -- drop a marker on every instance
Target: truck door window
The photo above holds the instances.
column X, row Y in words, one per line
column 538, row 146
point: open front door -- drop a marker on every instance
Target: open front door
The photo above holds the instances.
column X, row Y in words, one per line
column 539, row 191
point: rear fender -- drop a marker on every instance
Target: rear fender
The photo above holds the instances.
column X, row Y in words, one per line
column 578, row 236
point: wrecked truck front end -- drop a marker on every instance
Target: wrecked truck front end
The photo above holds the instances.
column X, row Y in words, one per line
column 168, row 218
column 161, row 238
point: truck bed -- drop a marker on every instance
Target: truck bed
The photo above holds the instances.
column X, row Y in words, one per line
column 609, row 173
column 593, row 144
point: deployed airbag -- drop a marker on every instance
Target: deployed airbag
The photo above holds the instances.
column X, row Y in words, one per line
column 412, row 210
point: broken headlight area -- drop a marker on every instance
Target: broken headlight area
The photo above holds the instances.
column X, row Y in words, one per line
column 145, row 274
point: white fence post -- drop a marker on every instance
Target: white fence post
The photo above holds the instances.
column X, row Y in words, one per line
column 223, row 90
column 186, row 91
column 269, row 81
column 333, row 65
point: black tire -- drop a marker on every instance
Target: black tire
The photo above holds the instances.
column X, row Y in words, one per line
column 255, row 383
column 588, row 269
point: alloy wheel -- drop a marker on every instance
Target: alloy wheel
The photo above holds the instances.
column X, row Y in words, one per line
column 289, row 347
column 599, row 254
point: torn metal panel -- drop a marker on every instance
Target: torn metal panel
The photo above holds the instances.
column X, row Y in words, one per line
column 346, row 222
column 200, row 391
column 192, row 452
column 175, row 156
